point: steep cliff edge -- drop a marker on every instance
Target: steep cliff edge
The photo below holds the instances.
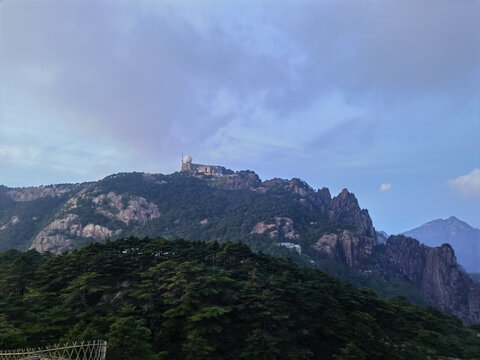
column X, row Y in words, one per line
column 342, row 209
column 464, row 238
column 353, row 250
column 435, row 271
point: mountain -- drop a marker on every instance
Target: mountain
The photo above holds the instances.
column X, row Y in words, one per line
column 461, row 236
column 233, row 207
column 158, row 299
column 285, row 218
column 435, row 272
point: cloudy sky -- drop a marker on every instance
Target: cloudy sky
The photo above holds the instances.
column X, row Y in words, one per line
column 381, row 97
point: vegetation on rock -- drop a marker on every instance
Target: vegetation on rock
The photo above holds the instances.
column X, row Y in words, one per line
column 160, row 299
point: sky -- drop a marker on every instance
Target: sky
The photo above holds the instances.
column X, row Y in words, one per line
column 380, row 97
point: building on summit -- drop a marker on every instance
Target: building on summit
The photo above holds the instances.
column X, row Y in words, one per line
column 198, row 169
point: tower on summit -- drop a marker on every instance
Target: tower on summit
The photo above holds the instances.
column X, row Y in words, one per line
column 186, row 163
column 199, row 169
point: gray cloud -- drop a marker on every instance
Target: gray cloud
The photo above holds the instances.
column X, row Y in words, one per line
column 222, row 78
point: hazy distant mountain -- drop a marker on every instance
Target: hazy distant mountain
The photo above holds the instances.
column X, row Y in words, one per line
column 464, row 239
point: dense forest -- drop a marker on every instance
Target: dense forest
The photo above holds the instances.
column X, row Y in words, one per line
column 184, row 201
column 161, row 299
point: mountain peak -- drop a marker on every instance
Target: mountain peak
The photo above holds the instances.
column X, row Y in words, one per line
column 464, row 238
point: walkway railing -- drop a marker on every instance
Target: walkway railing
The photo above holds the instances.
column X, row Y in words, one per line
column 85, row 350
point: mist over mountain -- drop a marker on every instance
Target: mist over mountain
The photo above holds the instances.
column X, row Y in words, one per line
column 464, row 239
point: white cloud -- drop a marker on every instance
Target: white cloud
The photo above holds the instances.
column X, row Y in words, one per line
column 385, row 187
column 468, row 185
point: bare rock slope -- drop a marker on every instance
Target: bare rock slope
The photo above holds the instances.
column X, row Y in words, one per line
column 437, row 274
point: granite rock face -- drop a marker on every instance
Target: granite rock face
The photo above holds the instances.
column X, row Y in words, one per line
column 464, row 239
column 436, row 272
column 343, row 208
column 60, row 234
column 351, row 249
column 133, row 209
column 242, row 180
column 64, row 232
column 433, row 270
column 282, row 227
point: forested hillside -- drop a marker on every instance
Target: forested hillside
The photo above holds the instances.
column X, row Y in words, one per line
column 160, row 299
column 61, row 217
column 285, row 218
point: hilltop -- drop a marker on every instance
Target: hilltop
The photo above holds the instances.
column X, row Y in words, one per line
column 286, row 218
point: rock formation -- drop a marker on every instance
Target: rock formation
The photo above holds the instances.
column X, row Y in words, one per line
column 351, row 249
column 281, row 227
column 464, row 239
column 60, row 234
column 242, row 180
column 132, row 209
column 343, row 209
column 59, row 218
column 435, row 271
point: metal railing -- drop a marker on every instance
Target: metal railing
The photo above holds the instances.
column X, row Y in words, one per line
column 85, row 350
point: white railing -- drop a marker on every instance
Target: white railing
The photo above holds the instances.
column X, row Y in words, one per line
column 85, row 350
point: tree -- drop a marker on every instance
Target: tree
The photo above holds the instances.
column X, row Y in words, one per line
column 10, row 337
column 128, row 340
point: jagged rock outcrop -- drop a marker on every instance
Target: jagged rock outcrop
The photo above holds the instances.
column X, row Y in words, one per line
column 133, row 209
column 242, row 180
column 435, row 271
column 351, row 249
column 299, row 187
column 66, row 231
column 60, row 234
column 281, row 227
column 344, row 209
column 464, row 239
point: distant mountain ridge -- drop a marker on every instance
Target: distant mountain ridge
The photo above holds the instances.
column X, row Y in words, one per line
column 273, row 216
column 464, row 239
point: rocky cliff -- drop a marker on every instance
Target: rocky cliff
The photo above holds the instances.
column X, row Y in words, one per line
column 353, row 250
column 436, row 272
column 123, row 204
column 342, row 209
column 464, row 238
column 69, row 226
column 235, row 207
